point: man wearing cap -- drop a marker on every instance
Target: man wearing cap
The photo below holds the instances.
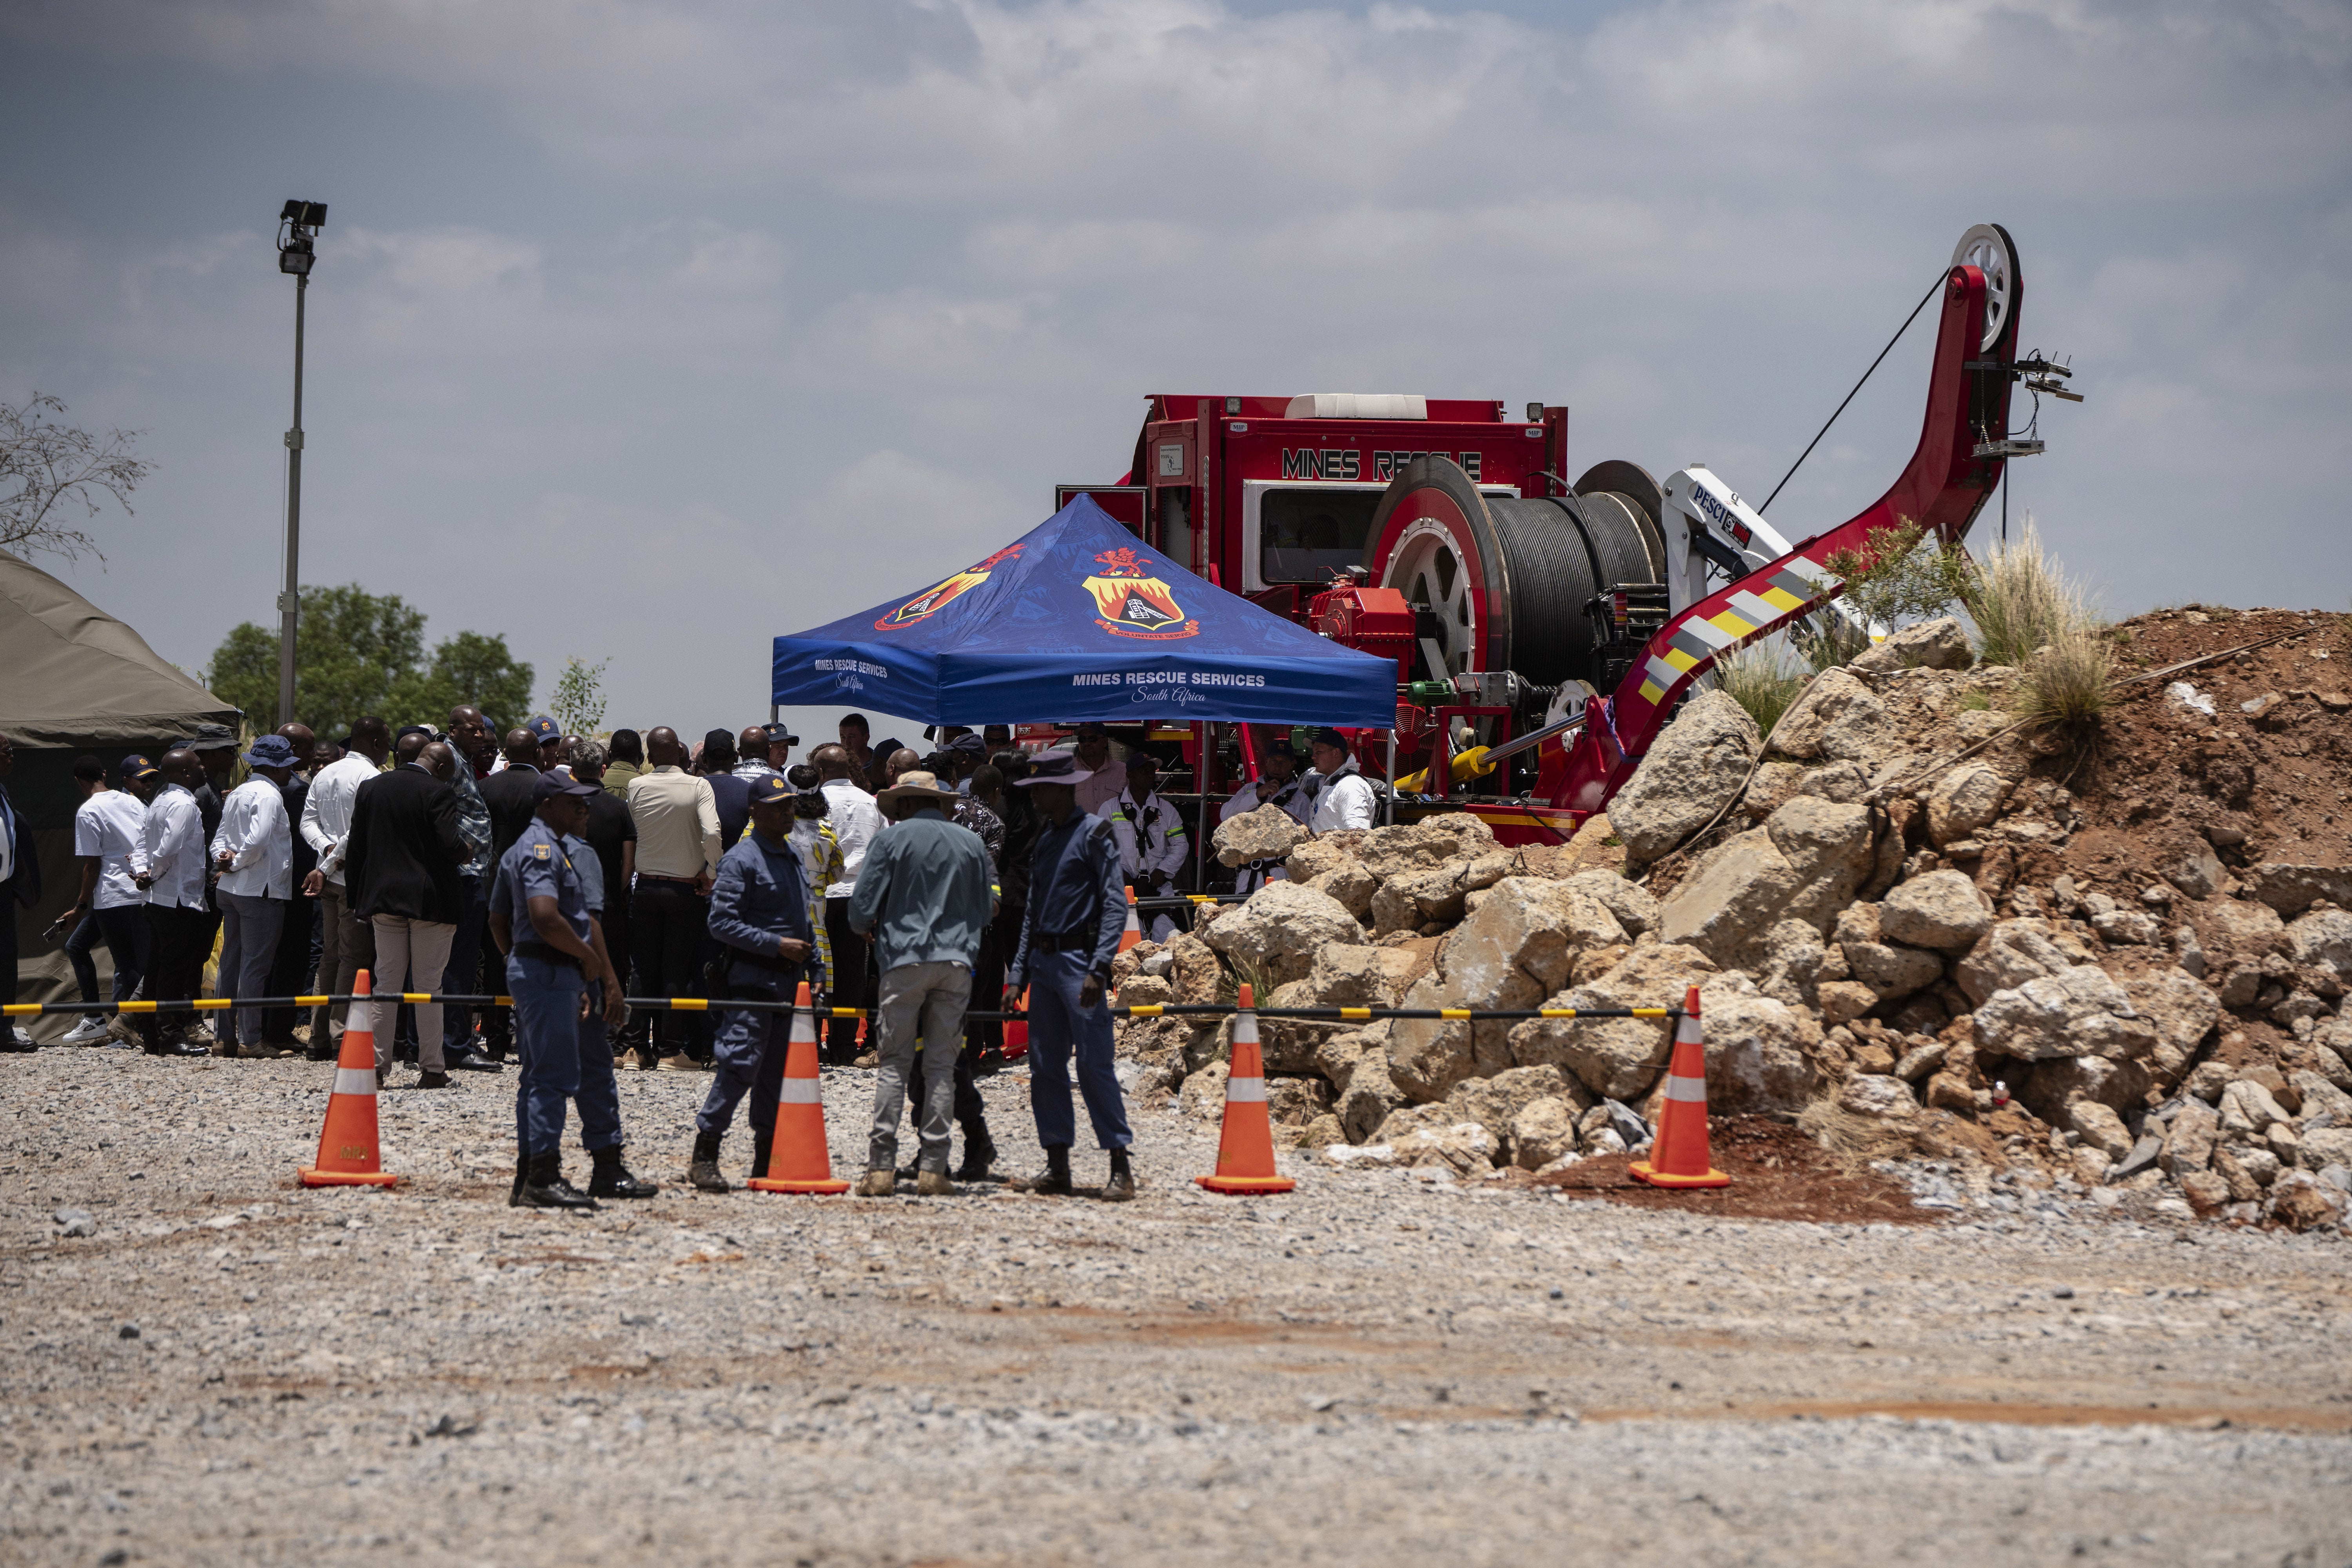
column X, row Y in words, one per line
column 348, row 943
column 1278, row 785
column 109, row 907
column 541, row 920
column 780, row 742
column 924, row 895
column 1100, row 775
column 289, row 969
column 1078, row 908
column 677, row 814
column 1152, row 846
column 970, row 751
column 253, row 858
column 759, row 918
column 547, row 736
column 401, row 863
column 1340, row 796
column 169, row 867
column 599, row 1097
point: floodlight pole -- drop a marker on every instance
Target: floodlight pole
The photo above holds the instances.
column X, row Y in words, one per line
column 289, row 600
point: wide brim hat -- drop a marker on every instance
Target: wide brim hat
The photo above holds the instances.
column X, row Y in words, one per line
column 918, row 785
column 1054, row 767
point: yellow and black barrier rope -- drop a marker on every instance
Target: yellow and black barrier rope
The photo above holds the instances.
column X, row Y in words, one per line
column 705, row 1004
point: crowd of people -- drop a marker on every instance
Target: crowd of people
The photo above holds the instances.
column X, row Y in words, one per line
column 568, row 873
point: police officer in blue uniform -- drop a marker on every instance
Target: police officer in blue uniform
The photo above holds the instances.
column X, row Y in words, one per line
column 1069, row 934
column 600, row 1092
column 760, row 917
column 539, row 920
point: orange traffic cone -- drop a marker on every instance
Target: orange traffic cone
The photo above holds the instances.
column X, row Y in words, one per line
column 348, row 1153
column 1134, row 932
column 799, row 1159
column 1246, row 1154
column 1678, row 1156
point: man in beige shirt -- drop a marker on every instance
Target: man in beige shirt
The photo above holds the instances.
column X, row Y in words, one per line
column 1105, row 774
column 677, row 819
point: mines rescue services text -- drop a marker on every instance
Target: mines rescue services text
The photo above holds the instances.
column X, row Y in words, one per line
column 1168, row 678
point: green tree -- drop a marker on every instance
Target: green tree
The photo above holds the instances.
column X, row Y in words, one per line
column 362, row 653
column 579, row 702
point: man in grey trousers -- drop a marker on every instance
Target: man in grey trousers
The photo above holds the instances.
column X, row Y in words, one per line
column 926, row 893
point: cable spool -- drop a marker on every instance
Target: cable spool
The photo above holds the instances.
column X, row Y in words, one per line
column 1502, row 582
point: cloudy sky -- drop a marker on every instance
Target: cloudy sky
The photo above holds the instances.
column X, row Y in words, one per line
column 647, row 331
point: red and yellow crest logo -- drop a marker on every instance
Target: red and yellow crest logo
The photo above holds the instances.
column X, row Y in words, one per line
column 925, row 604
column 1131, row 603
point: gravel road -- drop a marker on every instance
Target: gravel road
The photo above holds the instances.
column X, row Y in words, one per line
column 1375, row 1369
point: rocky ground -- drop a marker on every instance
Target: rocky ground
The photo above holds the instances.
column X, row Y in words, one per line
column 1388, row 1365
column 2114, row 960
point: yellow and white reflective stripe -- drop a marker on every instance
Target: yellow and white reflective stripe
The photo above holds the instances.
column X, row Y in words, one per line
column 355, row 1080
column 1757, row 611
column 798, row 1091
column 1729, row 621
column 1244, row 1091
column 1687, row 1089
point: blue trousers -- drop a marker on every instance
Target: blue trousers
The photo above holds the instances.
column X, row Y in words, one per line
column 123, row 930
column 1057, row 1024
column 547, row 1039
column 749, row 1053
column 600, row 1092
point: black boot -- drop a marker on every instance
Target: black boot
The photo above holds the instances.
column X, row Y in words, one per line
column 763, row 1144
column 1053, row 1181
column 979, row 1153
column 543, row 1185
column 1120, row 1188
column 522, row 1171
column 703, row 1172
column 613, row 1179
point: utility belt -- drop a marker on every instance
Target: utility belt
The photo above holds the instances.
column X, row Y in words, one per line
column 545, row 954
column 681, row 881
column 1068, row 942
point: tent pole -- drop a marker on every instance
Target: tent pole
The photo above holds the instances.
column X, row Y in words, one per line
column 1200, row 782
column 1388, row 796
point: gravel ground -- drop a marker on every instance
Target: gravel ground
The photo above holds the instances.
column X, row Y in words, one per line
column 1376, row 1368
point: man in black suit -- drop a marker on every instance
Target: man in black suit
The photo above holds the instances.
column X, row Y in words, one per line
column 20, row 883
column 507, row 794
column 401, row 871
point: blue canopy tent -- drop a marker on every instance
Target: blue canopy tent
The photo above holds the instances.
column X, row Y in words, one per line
column 1077, row 620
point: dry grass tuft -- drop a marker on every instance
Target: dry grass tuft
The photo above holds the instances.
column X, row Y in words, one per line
column 1852, row 1142
column 1760, row 679
column 2021, row 601
column 2066, row 683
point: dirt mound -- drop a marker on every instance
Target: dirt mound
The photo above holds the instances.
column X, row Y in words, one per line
column 1777, row 1173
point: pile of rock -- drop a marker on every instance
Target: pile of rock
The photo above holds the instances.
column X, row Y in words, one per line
column 1873, row 932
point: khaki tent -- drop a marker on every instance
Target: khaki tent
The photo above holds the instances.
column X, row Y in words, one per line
column 75, row 680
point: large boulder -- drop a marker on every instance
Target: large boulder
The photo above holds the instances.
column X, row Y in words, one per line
column 1891, row 970
column 2291, row 889
column 1350, row 884
column 1279, row 931
column 1942, row 909
column 2014, row 952
column 1837, row 719
column 1939, row 644
column 1635, row 907
column 2183, row 1010
column 1805, row 863
column 2246, row 932
column 1964, row 802
column 1693, row 769
column 1761, row 1054
column 2078, row 1012
column 1316, row 856
column 1615, row 1057
column 1543, row 1130
column 2323, row 939
column 1411, row 899
column 1200, row 976
column 1496, row 1103
column 2189, row 1139
column 1269, row 832
column 1514, row 950
column 1410, row 846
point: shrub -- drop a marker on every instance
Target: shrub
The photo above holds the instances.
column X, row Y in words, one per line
column 1901, row 575
column 2066, row 683
column 1826, row 639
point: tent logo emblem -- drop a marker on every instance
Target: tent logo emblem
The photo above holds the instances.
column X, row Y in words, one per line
column 931, row 601
column 1131, row 603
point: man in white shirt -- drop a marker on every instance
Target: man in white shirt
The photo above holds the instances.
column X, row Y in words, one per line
column 169, row 867
column 110, row 908
column 1105, row 774
column 347, row 943
column 254, row 849
column 1152, row 845
column 1278, row 785
column 1342, row 796
column 676, row 818
column 854, row 821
